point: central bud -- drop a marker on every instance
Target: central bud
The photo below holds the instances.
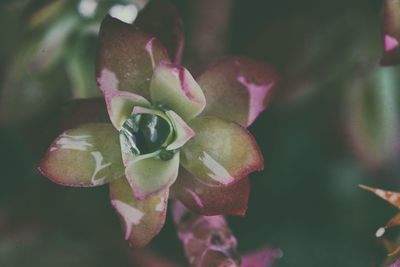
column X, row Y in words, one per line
column 146, row 133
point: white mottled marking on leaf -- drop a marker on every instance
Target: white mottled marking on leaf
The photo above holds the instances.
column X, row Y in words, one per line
column 98, row 157
column 380, row 193
column 78, row 142
column 107, row 80
column 380, row 232
column 216, row 171
column 257, row 94
column 393, row 197
column 195, row 197
column 131, row 215
column 149, row 49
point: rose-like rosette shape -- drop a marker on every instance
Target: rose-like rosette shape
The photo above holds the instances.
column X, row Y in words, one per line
column 170, row 136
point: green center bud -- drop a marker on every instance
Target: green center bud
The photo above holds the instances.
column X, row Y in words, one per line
column 147, row 133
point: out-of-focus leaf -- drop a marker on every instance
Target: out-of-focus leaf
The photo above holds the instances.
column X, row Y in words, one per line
column 162, row 20
column 207, row 240
column 237, row 89
column 391, row 32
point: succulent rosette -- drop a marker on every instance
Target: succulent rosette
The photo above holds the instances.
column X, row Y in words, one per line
column 170, row 136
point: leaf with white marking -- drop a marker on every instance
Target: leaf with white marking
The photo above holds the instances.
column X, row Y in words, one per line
column 88, row 155
column 237, row 89
column 126, row 57
column 221, row 152
column 174, row 87
column 391, row 197
column 151, row 175
column 391, row 32
column 161, row 19
column 211, row 200
column 140, row 219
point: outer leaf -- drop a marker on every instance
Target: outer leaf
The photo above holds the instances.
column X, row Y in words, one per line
column 391, row 197
column 126, row 57
column 85, row 156
column 391, row 32
column 237, row 89
column 174, row 87
column 120, row 105
column 141, row 220
column 208, row 200
column 150, row 175
column 221, row 153
column 161, row 19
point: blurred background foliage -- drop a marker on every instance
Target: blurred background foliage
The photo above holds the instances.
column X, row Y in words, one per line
column 334, row 123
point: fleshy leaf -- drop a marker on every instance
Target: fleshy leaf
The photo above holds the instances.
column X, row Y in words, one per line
column 140, row 219
column 120, row 105
column 183, row 132
column 391, row 32
column 210, row 200
column 161, row 19
column 221, row 153
column 207, row 240
column 126, row 57
column 150, row 175
column 237, row 89
column 174, row 87
column 88, row 155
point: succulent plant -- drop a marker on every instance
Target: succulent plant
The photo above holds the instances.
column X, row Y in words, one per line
column 170, row 136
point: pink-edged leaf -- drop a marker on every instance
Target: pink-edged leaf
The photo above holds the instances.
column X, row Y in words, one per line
column 120, row 105
column 221, row 152
column 150, row 175
column 183, row 132
column 237, row 89
column 391, row 32
column 141, row 220
column 126, row 57
column 264, row 257
column 209, row 200
column 207, row 240
column 88, row 155
column 174, row 87
column 396, row 263
column 161, row 19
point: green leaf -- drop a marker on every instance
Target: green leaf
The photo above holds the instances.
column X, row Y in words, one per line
column 88, row 155
column 174, row 87
column 150, row 175
column 237, row 89
column 126, row 57
column 221, row 153
column 140, row 219
column 120, row 105
column 183, row 132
